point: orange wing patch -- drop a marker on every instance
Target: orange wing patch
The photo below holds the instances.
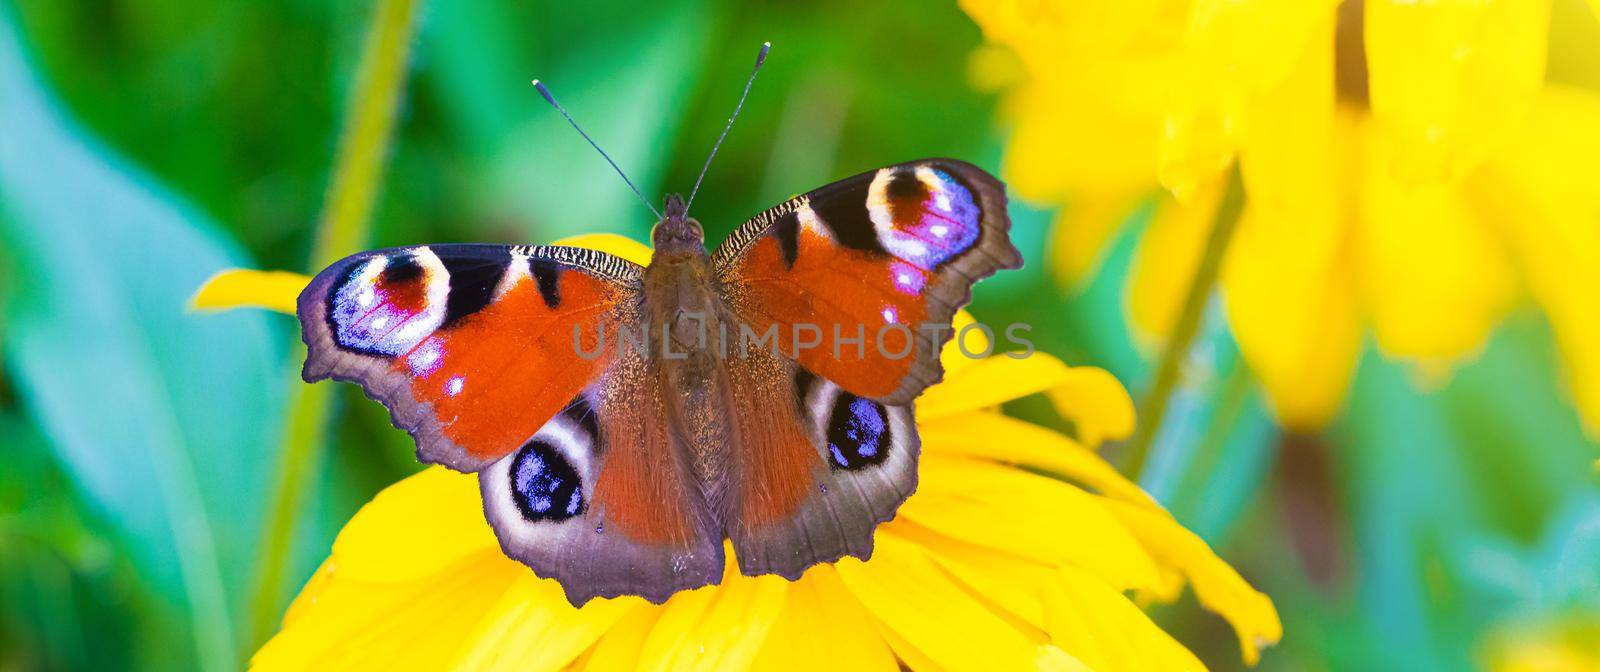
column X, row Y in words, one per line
column 845, row 313
column 495, row 378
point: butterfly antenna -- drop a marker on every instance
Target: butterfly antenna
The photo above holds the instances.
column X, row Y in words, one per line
column 544, row 91
column 760, row 58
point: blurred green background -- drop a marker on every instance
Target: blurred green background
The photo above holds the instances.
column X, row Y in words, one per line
column 146, row 145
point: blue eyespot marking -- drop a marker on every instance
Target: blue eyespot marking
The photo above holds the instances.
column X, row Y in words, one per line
column 544, row 485
column 858, row 432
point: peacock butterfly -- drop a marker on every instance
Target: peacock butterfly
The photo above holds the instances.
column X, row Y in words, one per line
column 618, row 468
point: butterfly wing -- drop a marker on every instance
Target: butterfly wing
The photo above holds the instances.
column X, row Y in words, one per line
column 869, row 271
column 471, row 347
column 491, row 357
column 819, row 467
column 600, row 498
column 827, row 445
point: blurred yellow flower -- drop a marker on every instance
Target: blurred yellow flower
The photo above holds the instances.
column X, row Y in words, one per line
column 1562, row 646
column 1407, row 167
column 1020, row 548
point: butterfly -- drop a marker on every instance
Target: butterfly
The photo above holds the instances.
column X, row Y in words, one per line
column 761, row 393
column 619, row 470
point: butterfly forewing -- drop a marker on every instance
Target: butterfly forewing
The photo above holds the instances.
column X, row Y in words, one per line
column 469, row 346
column 870, row 270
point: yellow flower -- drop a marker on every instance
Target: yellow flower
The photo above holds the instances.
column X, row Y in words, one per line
column 1020, row 548
column 1571, row 645
column 1408, row 170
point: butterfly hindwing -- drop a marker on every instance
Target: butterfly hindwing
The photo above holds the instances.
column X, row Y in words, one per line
column 819, row 468
column 600, row 499
column 868, row 271
column 471, row 347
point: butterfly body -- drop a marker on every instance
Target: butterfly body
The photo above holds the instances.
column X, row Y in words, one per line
column 684, row 308
column 625, row 420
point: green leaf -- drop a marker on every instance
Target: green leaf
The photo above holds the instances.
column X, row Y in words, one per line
column 1411, row 505
column 65, row 602
column 162, row 417
column 1512, row 417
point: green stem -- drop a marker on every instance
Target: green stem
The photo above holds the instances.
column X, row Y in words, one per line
column 1153, row 407
column 1230, row 405
column 368, row 127
column 343, row 228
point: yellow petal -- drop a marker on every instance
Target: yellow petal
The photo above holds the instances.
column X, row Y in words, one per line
column 303, row 602
column 1099, row 626
column 419, row 625
column 417, row 528
column 1543, row 194
column 1053, row 659
column 1004, row 439
column 1218, row 587
column 1088, row 128
column 1299, row 336
column 1096, row 403
column 1434, row 278
column 1234, row 51
column 533, row 627
column 1197, row 146
column 953, row 357
column 619, row 650
column 1448, row 80
column 1168, row 588
column 1290, row 163
column 1085, row 126
column 992, row 68
column 910, row 656
column 823, row 627
column 1090, row 397
column 611, row 243
column 990, row 382
column 244, row 288
column 915, row 599
column 1007, row 582
column 717, row 627
column 1164, row 264
column 1083, row 229
column 1089, row 26
column 976, row 502
column 1286, row 283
